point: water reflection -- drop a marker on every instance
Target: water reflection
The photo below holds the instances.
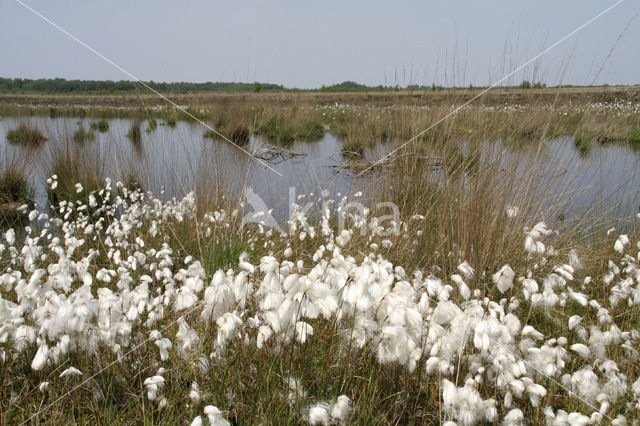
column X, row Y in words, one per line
column 178, row 159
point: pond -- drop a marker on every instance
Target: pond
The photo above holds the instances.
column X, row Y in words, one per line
column 172, row 161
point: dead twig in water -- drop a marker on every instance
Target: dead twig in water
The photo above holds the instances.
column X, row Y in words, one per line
column 372, row 167
column 276, row 154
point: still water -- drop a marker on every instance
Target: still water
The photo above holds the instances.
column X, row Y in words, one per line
column 172, row 161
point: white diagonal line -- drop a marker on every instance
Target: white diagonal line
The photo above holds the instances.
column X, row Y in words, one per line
column 455, row 111
column 82, row 43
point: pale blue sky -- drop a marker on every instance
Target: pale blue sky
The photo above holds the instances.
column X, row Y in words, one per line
column 307, row 44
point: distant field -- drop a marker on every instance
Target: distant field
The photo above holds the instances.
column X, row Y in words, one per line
column 559, row 96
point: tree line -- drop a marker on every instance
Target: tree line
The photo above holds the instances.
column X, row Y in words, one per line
column 60, row 85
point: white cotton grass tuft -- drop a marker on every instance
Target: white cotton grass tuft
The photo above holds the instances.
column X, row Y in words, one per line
column 70, row 372
column 512, row 211
column 10, row 236
column 574, row 259
column 215, row 416
column 533, row 237
column 319, row 414
column 303, row 331
column 64, row 296
column 41, row 357
column 514, row 417
column 504, row 278
column 466, row 270
column 154, row 385
column 194, row 392
column 341, row 409
column 620, row 243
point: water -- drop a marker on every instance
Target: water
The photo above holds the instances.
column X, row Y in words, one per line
column 171, row 161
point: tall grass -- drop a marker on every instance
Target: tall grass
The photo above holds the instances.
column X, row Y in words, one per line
column 15, row 189
column 102, row 126
column 464, row 196
column 72, row 165
column 81, row 136
column 26, row 135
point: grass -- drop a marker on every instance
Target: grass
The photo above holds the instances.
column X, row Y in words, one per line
column 81, row 136
column 101, row 126
column 15, row 191
column 517, row 116
column 74, row 165
column 152, row 125
column 135, row 134
column 276, row 130
column 251, row 384
column 583, row 141
column 14, row 187
column 310, row 131
column 461, row 197
column 239, row 135
column 26, row 136
column 352, row 151
column 634, row 136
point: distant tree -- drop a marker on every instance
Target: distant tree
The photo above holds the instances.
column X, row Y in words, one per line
column 525, row 84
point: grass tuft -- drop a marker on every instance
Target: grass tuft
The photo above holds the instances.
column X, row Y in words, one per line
column 81, row 136
column 26, row 136
column 102, row 126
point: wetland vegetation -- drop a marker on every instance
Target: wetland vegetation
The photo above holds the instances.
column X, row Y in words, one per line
column 497, row 284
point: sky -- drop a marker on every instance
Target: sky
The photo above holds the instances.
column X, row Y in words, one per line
column 308, row 44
